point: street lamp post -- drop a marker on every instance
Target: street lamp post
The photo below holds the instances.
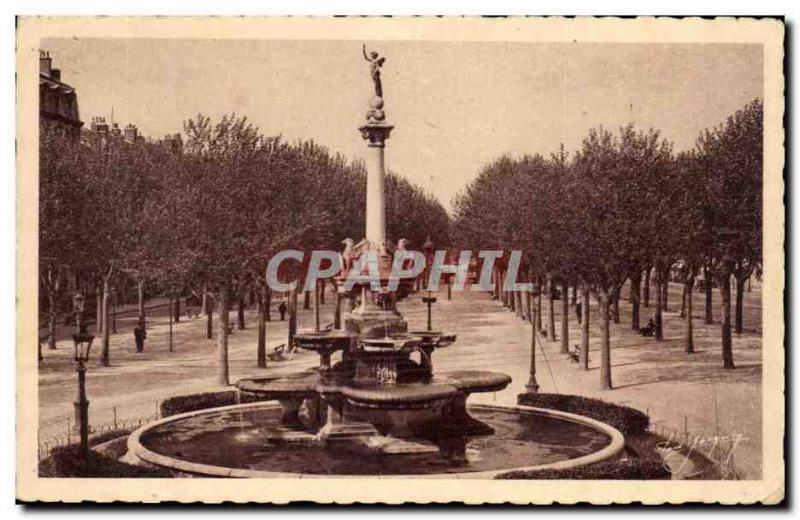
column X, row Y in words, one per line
column 78, row 304
column 429, row 301
column 83, row 344
column 532, row 386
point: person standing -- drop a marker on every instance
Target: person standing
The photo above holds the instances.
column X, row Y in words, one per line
column 139, row 334
column 282, row 310
column 578, row 311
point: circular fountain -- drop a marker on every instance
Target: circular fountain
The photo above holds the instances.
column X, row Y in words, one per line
column 374, row 411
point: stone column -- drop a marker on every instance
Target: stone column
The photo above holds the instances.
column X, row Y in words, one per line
column 376, row 212
column 376, row 131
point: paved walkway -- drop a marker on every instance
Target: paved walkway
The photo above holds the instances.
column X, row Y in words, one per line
column 678, row 390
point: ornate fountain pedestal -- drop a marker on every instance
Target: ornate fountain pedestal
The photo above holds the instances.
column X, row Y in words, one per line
column 377, row 399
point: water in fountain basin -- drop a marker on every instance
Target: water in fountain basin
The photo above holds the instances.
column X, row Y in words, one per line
column 520, row 439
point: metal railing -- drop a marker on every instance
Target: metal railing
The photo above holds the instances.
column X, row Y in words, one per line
column 718, row 449
column 70, row 434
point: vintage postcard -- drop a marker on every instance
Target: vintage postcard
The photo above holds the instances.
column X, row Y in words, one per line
column 400, row 260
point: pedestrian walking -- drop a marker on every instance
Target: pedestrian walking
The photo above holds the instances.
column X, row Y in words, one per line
column 579, row 311
column 139, row 334
column 282, row 310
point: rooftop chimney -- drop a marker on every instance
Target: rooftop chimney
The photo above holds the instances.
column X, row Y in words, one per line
column 55, row 74
column 45, row 63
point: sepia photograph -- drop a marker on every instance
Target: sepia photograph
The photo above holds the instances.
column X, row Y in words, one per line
column 400, row 260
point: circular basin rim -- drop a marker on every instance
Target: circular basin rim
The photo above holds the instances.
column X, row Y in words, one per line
column 136, row 447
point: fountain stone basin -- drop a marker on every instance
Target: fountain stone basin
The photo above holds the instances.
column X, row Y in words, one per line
column 232, row 441
column 391, row 342
column 432, row 340
column 435, row 339
column 336, row 407
column 325, row 343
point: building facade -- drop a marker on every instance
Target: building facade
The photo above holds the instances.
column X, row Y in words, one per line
column 58, row 101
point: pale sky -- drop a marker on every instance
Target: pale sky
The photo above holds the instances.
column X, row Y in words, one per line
column 455, row 106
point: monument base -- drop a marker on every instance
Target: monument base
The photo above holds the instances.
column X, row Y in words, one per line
column 375, row 323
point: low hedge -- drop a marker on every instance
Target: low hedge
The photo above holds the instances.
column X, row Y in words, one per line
column 627, row 420
column 630, row 469
column 65, row 462
column 192, row 402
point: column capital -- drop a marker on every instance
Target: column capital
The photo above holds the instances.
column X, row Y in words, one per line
column 376, row 133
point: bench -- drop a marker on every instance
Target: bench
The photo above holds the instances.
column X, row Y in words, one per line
column 282, row 353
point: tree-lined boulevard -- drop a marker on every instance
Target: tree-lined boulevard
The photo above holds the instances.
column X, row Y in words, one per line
column 645, row 264
column 625, row 208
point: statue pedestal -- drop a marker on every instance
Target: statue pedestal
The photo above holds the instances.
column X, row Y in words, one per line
column 375, row 323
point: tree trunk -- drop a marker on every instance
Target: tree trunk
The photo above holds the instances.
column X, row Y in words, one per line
column 317, row 325
column 665, row 290
column 105, row 358
column 727, row 340
column 709, row 279
column 647, row 287
column 740, row 281
column 687, row 305
column 292, row 317
column 584, row 359
column 262, row 325
column 209, row 315
column 658, row 317
column 170, row 317
column 565, row 318
column 683, row 301
column 114, row 305
column 605, row 341
column 337, row 310
column 223, row 305
column 496, row 288
column 574, row 293
column 615, row 304
column 240, row 312
column 528, row 309
column 142, row 317
column 538, row 310
column 267, row 303
column 99, row 314
column 322, row 293
column 52, row 315
column 551, row 316
column 520, row 310
column 176, row 312
column 636, row 282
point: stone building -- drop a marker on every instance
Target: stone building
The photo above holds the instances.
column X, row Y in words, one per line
column 173, row 143
column 58, row 102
